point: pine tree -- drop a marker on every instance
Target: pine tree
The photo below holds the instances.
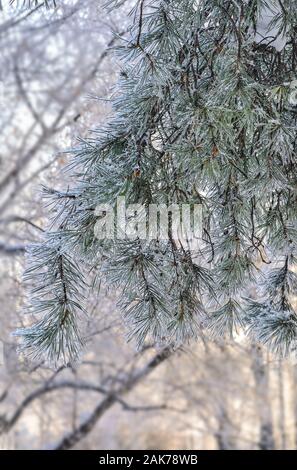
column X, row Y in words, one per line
column 204, row 113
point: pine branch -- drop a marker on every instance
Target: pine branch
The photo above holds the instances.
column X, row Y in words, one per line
column 34, row 3
column 202, row 114
column 57, row 295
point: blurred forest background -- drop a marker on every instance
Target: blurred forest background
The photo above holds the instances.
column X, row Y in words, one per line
column 56, row 74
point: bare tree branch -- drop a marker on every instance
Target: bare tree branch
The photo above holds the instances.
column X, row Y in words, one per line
column 88, row 425
column 12, row 250
column 111, row 397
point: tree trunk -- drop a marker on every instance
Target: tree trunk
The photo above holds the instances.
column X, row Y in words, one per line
column 225, row 431
column 260, row 371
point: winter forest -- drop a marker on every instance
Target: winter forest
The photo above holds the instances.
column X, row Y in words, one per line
column 148, row 223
